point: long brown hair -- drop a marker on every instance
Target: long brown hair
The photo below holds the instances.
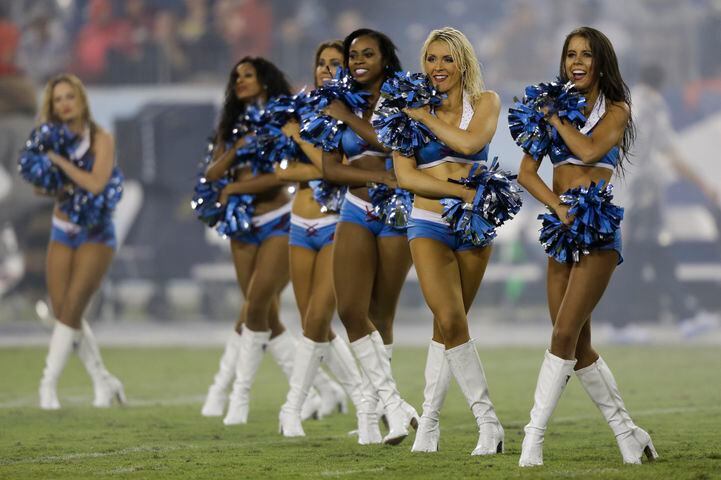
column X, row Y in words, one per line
column 610, row 82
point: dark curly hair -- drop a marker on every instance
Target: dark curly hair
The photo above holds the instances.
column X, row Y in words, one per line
column 391, row 63
column 610, row 83
column 269, row 76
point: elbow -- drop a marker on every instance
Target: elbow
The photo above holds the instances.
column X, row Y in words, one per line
column 522, row 179
column 329, row 173
column 404, row 183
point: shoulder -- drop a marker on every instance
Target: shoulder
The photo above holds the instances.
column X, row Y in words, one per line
column 621, row 109
column 102, row 137
column 487, row 99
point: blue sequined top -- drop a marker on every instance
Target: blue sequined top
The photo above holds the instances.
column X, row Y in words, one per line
column 436, row 152
column 561, row 155
column 354, row 147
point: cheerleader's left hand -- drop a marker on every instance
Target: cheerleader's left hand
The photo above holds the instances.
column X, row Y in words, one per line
column 418, row 114
column 224, row 194
column 55, row 158
column 338, row 110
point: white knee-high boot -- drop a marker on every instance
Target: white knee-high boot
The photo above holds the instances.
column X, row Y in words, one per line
column 599, row 383
column 552, row 379
column 438, row 379
column 217, row 396
column 62, row 343
column 375, row 364
column 308, row 356
column 282, row 349
column 105, row 385
column 250, row 356
column 362, row 394
column 333, row 398
column 468, row 371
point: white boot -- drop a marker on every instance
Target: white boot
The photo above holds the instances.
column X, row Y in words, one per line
column 249, row 358
column 217, row 397
column 600, row 385
column 282, row 348
column 438, row 379
column 62, row 342
column 105, row 385
column 468, row 370
column 332, row 397
column 407, row 407
column 308, row 356
column 374, row 362
column 552, row 379
column 362, row 394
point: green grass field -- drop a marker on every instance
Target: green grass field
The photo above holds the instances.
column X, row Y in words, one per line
column 675, row 393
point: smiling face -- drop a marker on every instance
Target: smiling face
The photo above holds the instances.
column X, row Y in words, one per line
column 579, row 65
column 440, row 66
column 247, row 86
column 364, row 60
column 329, row 61
column 67, row 104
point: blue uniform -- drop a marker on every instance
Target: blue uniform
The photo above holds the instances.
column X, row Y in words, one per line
column 271, row 224
column 561, row 155
column 312, row 233
column 71, row 234
column 427, row 224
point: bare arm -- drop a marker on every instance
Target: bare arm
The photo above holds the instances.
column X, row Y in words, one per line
column 256, row 184
column 479, row 133
column 93, row 181
column 298, row 172
column 607, row 134
column 529, row 179
column 417, row 181
column 363, row 128
column 335, row 171
column 222, row 159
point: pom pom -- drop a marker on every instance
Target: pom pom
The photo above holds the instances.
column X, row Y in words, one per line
column 395, row 129
column 322, row 130
column 237, row 216
column 595, row 222
column 391, row 205
column 328, row 195
column 205, row 202
column 528, row 124
column 34, row 164
column 496, row 201
column 90, row 210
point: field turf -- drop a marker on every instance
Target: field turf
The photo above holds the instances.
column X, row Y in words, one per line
column 673, row 392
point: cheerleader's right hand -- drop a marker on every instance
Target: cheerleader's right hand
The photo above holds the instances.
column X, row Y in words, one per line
column 561, row 211
column 338, row 110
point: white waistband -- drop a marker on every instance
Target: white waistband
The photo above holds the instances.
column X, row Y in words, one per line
column 449, row 160
column 313, row 222
column 575, row 161
column 268, row 217
column 66, row 226
column 367, row 153
column 358, row 202
column 428, row 216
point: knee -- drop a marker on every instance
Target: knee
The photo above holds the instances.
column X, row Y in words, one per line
column 453, row 326
column 564, row 338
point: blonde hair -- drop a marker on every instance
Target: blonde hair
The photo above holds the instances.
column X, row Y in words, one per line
column 46, row 107
column 463, row 55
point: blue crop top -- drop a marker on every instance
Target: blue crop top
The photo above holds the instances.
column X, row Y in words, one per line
column 561, row 155
column 436, row 152
column 354, row 147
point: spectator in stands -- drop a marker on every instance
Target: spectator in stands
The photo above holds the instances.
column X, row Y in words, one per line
column 43, row 50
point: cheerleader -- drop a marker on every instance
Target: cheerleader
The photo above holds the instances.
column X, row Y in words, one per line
column 79, row 255
column 450, row 269
column 370, row 259
column 583, row 161
column 260, row 256
column 312, row 229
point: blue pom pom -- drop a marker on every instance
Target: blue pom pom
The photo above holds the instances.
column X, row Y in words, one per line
column 205, row 202
column 392, row 206
column 328, row 195
column 237, row 216
column 34, row 164
column 90, row 210
column 526, row 119
column 595, row 222
column 322, row 130
column 395, row 129
column 497, row 200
